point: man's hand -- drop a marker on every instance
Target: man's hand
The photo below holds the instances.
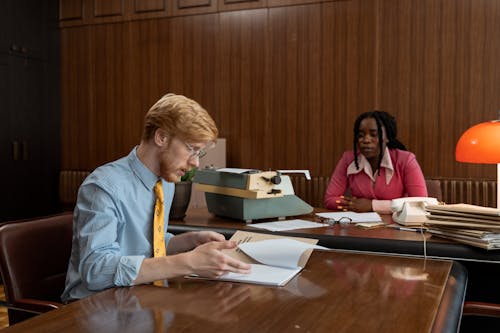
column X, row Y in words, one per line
column 208, row 260
column 189, row 240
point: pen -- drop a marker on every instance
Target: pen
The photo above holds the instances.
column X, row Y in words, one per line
column 410, row 229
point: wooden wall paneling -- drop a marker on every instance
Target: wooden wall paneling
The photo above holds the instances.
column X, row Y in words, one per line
column 77, row 105
column 106, row 11
column 454, row 81
column 142, row 9
column 295, row 90
column 224, row 5
column 141, row 6
column 435, row 68
column 348, row 75
column 242, row 95
column 280, row 3
column 481, row 51
column 141, row 74
column 192, row 60
column 432, row 63
column 189, row 7
column 108, row 52
column 71, row 12
column 408, row 46
column 421, row 134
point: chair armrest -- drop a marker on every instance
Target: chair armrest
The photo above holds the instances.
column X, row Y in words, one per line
column 481, row 309
column 34, row 305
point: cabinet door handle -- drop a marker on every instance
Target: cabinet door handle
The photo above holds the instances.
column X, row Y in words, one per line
column 15, row 150
column 25, row 150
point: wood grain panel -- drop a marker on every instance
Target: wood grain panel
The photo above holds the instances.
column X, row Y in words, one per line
column 224, row 5
column 348, row 76
column 436, row 73
column 108, row 8
column 242, row 111
column 144, row 9
column 280, row 3
column 107, row 11
column 189, row 7
column 191, row 66
column 77, row 106
column 70, row 10
column 285, row 84
column 141, row 6
column 145, row 72
column 295, row 90
column 111, row 118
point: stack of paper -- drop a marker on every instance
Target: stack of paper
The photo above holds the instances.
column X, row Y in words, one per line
column 469, row 224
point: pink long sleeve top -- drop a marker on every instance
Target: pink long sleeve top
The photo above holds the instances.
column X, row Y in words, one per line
column 400, row 176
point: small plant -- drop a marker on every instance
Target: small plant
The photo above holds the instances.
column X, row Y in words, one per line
column 188, row 176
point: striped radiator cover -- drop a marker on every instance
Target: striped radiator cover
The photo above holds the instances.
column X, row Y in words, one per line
column 453, row 190
column 475, row 192
column 69, row 182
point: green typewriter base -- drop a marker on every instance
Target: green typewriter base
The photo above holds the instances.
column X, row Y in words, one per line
column 250, row 210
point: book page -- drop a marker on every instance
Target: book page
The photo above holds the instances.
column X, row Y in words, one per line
column 263, row 274
column 244, row 236
column 281, row 252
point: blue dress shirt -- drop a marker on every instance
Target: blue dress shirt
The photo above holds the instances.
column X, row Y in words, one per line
column 113, row 226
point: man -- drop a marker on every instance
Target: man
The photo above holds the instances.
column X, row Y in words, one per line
column 113, row 218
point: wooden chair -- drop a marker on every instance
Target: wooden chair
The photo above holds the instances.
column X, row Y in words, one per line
column 34, row 256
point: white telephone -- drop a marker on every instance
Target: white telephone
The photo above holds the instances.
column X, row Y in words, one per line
column 411, row 210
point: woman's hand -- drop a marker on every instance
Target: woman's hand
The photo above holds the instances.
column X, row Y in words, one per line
column 358, row 205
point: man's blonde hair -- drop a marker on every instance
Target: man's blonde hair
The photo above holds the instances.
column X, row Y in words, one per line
column 180, row 117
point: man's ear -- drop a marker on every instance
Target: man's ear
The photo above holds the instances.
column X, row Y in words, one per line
column 161, row 138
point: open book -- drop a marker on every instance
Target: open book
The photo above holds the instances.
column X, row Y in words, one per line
column 275, row 260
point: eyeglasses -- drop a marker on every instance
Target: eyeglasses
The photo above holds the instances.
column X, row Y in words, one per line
column 330, row 221
column 194, row 152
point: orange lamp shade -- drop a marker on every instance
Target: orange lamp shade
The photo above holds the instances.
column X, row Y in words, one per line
column 480, row 144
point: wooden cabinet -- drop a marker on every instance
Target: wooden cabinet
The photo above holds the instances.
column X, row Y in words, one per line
column 82, row 12
column 71, row 12
column 185, row 7
column 104, row 11
column 29, row 145
column 19, row 28
column 241, row 4
column 149, row 8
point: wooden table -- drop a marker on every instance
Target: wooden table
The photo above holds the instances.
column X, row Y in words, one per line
column 483, row 266
column 349, row 237
column 338, row 291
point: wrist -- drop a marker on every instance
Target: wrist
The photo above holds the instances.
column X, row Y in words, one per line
column 178, row 264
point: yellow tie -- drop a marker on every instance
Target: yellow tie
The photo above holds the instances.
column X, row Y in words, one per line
column 158, row 225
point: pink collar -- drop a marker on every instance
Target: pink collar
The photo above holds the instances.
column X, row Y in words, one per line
column 365, row 166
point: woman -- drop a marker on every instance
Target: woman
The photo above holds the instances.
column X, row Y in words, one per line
column 377, row 171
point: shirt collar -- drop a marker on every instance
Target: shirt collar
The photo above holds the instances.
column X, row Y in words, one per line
column 146, row 176
column 365, row 166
